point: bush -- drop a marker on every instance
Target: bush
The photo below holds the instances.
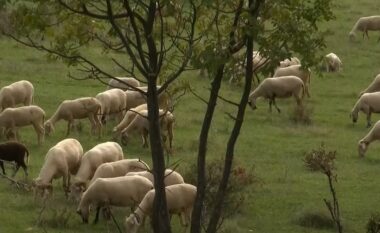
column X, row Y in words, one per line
column 316, row 220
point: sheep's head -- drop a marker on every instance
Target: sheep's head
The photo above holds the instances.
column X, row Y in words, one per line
column 41, row 189
column 351, row 36
column 132, row 223
column 76, row 191
column 362, row 148
column 252, row 103
column 354, row 116
column 124, row 139
column 84, row 213
column 48, row 128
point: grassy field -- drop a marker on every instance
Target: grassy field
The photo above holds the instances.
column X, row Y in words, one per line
column 270, row 142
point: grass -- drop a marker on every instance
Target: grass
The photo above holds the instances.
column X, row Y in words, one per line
column 271, row 142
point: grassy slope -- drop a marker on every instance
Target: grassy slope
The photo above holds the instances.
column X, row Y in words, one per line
column 269, row 141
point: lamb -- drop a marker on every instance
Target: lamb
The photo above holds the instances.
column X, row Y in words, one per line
column 114, row 83
column 373, row 134
column 62, row 160
column 12, row 118
column 79, row 108
column 179, row 198
column 296, row 70
column 373, row 87
column 112, row 101
column 91, row 160
column 119, row 168
column 368, row 103
column 289, row 62
column 141, row 124
column 365, row 24
column 128, row 117
column 333, row 63
column 272, row 88
column 20, row 92
column 171, row 177
column 14, row 151
column 117, row 191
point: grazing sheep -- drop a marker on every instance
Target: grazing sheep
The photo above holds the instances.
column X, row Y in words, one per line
column 119, row 168
column 289, row 62
column 114, row 83
column 112, row 101
column 20, row 92
column 134, row 99
column 12, row 118
column 68, row 110
column 141, row 124
column 14, row 151
column 281, row 87
column 164, row 99
column 333, row 63
column 91, row 160
column 179, row 198
column 62, row 160
column 128, row 117
column 118, row 191
column 171, row 177
column 365, row 24
column 373, row 87
column 296, row 70
column 368, row 103
column 373, row 134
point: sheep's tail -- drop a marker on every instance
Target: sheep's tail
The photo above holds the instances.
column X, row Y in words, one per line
column 27, row 156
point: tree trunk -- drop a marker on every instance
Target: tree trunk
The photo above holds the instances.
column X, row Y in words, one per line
column 160, row 218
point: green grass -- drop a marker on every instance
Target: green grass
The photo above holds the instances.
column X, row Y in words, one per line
column 271, row 142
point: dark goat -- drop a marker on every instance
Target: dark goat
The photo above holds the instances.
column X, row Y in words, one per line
column 14, row 151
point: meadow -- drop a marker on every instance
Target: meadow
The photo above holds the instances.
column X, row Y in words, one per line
column 270, row 142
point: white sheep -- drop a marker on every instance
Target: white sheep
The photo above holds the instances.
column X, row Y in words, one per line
column 112, row 101
column 134, row 99
column 373, row 87
column 114, row 83
column 373, row 134
column 128, row 117
column 368, row 103
column 141, row 124
column 119, row 168
column 91, row 160
column 13, row 118
column 296, row 70
column 289, row 62
column 365, row 24
column 272, row 88
column 171, row 177
column 69, row 110
column 62, row 160
column 179, row 198
column 118, row 191
column 20, row 92
column 333, row 63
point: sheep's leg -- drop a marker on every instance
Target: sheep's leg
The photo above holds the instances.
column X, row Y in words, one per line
column 2, row 167
column 369, row 119
column 40, row 133
column 65, row 185
column 275, row 105
column 69, row 123
column 15, row 171
column 145, row 138
column 366, row 32
column 97, row 215
column 95, row 125
column 25, row 168
column 307, row 91
column 270, row 105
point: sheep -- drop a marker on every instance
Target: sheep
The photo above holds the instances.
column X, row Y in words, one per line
column 296, row 70
column 62, row 160
column 333, row 63
column 114, row 83
column 128, row 117
column 373, row 134
column 179, row 198
column 14, row 151
column 12, row 118
column 91, row 160
column 112, row 101
column 289, row 62
column 79, row 108
column 373, row 87
column 141, row 124
column 171, row 177
column 20, row 92
column 119, row 168
column 136, row 98
column 365, row 24
column 118, row 191
column 272, row 88
column 368, row 103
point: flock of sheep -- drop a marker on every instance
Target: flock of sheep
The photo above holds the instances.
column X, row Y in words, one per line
column 102, row 177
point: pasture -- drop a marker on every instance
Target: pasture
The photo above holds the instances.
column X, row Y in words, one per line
column 270, row 142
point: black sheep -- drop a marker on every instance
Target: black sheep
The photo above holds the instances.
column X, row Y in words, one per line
column 14, row 151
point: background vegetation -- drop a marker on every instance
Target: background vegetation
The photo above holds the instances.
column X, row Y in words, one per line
column 271, row 142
